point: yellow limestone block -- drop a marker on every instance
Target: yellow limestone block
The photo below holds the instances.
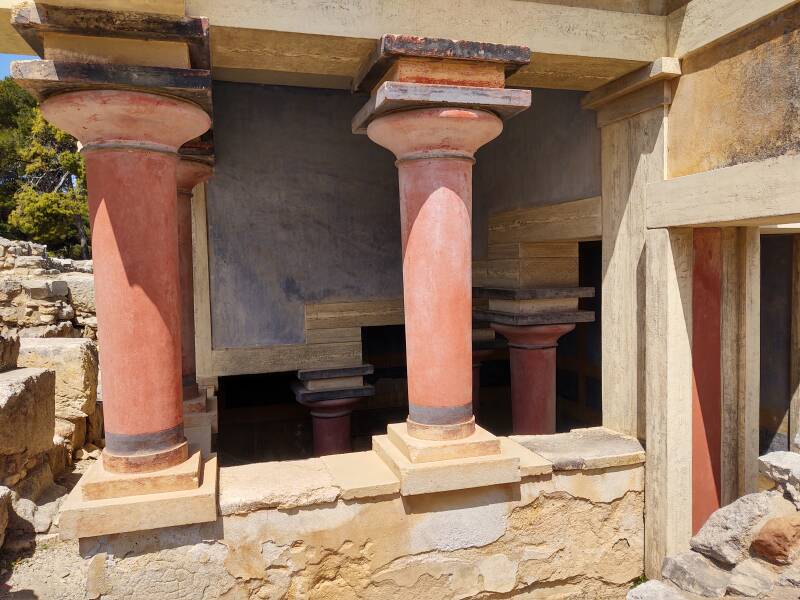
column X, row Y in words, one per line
column 480, row 443
column 79, row 518
column 97, row 483
column 361, row 475
column 446, row 475
column 66, row 47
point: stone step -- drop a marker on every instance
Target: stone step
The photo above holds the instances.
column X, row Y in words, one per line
column 27, row 411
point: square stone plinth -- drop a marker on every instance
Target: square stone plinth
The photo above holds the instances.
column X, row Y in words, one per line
column 79, row 518
column 530, row 463
column 99, row 484
column 446, row 475
column 361, row 475
column 480, row 443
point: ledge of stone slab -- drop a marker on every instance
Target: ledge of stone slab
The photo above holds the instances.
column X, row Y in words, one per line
column 302, row 483
column 591, row 448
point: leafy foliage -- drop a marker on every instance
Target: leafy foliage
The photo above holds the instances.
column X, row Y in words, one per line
column 42, row 178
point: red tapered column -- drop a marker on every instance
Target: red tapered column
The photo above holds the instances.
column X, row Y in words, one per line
column 130, row 142
column 190, row 174
column 434, row 149
column 707, row 374
column 532, row 353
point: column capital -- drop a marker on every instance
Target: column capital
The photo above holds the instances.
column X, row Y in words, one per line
column 191, row 173
column 426, row 133
column 117, row 119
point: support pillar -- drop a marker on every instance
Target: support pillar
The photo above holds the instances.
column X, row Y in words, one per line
column 331, row 395
column 451, row 105
column 190, row 174
column 130, row 142
column 532, row 353
column 434, row 149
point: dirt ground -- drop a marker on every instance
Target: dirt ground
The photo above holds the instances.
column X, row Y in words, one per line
column 44, row 568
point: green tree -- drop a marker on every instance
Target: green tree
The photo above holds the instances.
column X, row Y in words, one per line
column 50, row 203
column 16, row 119
column 42, row 178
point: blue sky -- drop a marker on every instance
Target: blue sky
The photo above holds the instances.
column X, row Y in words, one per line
column 5, row 62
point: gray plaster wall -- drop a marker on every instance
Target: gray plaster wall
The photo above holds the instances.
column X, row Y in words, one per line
column 301, row 210
column 546, row 155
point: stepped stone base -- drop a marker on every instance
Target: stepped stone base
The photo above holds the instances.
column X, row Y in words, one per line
column 81, row 518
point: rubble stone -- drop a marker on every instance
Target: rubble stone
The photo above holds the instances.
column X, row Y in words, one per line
column 694, row 573
column 751, row 578
column 26, row 411
column 728, row 533
column 779, row 540
column 654, row 590
column 9, row 352
column 76, row 365
column 5, row 504
column 784, row 469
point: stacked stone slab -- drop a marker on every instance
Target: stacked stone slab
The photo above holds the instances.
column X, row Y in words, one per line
column 41, row 296
column 78, row 418
column 749, row 548
column 28, row 498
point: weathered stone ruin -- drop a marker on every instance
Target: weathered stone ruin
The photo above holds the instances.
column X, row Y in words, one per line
column 43, row 296
column 49, row 410
column 749, row 548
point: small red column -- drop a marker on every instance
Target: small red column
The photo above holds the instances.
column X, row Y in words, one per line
column 532, row 353
column 707, row 374
column 434, row 149
column 130, row 142
column 190, row 174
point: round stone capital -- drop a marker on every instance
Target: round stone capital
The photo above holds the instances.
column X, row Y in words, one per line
column 191, row 173
column 122, row 119
column 425, row 133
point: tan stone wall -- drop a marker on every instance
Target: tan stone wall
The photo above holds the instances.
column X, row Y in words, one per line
column 738, row 100
column 571, row 534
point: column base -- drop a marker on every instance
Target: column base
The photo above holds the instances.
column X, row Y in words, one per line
column 442, row 466
column 146, row 463
column 331, row 422
column 457, row 431
column 104, row 502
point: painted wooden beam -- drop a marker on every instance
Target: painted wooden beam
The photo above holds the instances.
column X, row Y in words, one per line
column 794, row 403
column 703, row 22
column 633, row 153
column 576, row 220
column 668, row 524
column 755, row 193
column 662, row 69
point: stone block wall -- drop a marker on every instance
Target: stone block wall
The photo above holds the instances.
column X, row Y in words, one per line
column 295, row 530
column 41, row 296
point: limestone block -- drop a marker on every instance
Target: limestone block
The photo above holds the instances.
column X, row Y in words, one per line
column 728, row 533
column 81, row 291
column 361, row 475
column 5, row 504
column 75, row 362
column 480, row 443
column 591, row 448
column 285, row 485
column 26, row 411
column 779, row 540
column 694, row 573
column 655, row 590
column 9, row 352
column 446, row 475
column 98, row 484
column 59, row 457
column 81, row 518
column 784, row 469
column 42, row 289
column 751, row 578
column 530, row 463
